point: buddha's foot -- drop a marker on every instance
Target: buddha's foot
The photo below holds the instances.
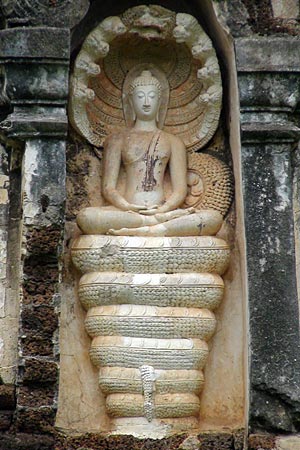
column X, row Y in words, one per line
column 165, row 217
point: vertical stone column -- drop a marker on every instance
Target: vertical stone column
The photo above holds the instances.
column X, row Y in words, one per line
column 8, row 310
column 36, row 64
column 268, row 75
column 296, row 194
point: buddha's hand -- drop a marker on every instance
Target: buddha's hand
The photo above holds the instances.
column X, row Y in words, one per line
column 136, row 208
column 150, row 211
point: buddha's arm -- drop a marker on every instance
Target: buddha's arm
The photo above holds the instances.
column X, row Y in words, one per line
column 110, row 169
column 178, row 174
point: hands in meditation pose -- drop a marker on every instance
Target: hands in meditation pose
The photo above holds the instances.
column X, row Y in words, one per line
column 146, row 152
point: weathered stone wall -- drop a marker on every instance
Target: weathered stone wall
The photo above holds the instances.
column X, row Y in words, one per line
column 34, row 50
column 269, row 138
column 36, row 66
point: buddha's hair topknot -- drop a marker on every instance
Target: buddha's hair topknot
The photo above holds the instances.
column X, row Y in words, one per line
column 145, row 79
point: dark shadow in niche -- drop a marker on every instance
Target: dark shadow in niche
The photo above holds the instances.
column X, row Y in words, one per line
column 5, row 104
column 45, row 201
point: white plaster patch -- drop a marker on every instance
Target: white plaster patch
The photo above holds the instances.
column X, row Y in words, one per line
column 277, row 244
column 191, row 443
column 3, row 196
column 141, row 428
column 2, row 301
column 262, row 262
column 4, row 181
column 292, row 100
column 3, row 254
column 1, row 349
column 281, row 179
column 30, row 169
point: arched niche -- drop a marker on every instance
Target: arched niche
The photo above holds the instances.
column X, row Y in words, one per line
column 223, row 400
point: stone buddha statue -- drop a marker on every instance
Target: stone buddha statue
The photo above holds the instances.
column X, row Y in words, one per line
column 146, row 152
column 150, row 300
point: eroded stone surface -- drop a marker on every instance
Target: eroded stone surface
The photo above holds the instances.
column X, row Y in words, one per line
column 273, row 298
column 245, row 16
column 287, row 9
column 56, row 13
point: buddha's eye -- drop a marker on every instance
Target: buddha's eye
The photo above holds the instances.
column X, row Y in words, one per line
column 152, row 94
column 140, row 94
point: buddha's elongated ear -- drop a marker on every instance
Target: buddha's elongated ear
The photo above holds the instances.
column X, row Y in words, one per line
column 132, row 111
column 158, row 111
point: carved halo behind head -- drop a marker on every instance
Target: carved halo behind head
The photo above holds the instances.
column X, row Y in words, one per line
column 132, row 75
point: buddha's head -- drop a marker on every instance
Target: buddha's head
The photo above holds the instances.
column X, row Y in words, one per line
column 145, row 94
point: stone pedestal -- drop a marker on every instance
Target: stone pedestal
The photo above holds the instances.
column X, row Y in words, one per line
column 150, row 303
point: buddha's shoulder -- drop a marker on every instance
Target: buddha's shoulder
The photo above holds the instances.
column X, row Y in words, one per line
column 116, row 136
column 174, row 140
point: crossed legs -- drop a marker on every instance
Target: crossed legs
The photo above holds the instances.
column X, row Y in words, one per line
column 180, row 222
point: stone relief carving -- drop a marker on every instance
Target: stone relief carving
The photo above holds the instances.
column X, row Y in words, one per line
column 151, row 21
column 177, row 45
column 150, row 260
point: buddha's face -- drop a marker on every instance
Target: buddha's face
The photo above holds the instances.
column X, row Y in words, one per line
column 145, row 102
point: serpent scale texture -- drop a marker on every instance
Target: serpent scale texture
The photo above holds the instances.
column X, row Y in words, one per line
column 150, row 304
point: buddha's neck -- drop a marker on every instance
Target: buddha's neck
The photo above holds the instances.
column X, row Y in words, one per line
column 145, row 125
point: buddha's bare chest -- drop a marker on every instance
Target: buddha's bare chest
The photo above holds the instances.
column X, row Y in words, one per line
column 146, row 148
